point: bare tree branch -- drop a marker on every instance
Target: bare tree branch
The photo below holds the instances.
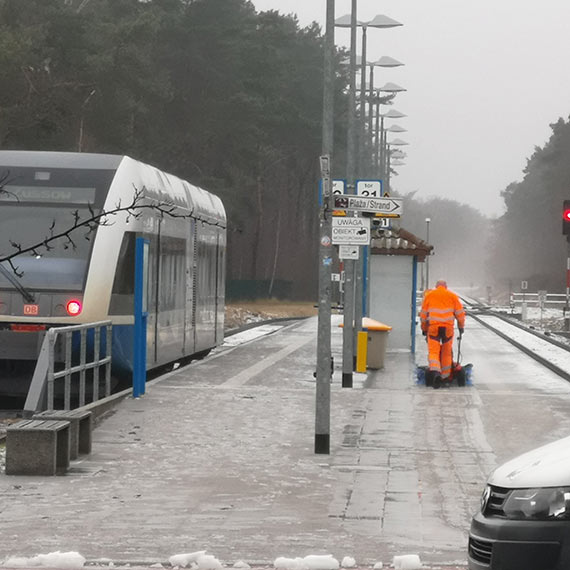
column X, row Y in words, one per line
column 134, row 209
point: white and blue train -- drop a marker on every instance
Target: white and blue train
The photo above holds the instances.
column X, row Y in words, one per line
column 88, row 276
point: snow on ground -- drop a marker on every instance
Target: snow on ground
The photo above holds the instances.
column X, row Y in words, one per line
column 201, row 561
column 250, row 334
column 554, row 354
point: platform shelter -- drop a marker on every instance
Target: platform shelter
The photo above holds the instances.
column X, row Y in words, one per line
column 394, row 257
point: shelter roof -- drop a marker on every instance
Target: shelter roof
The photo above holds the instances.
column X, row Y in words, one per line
column 398, row 241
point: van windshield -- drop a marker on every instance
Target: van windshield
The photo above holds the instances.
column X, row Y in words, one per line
column 36, row 204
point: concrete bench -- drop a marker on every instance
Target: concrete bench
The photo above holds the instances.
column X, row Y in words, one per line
column 80, row 428
column 37, row 447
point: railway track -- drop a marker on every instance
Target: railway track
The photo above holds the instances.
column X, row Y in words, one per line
column 552, row 353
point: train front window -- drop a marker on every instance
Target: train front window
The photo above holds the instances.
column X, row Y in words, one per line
column 38, row 204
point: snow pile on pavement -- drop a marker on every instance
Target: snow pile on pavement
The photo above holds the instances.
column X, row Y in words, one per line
column 407, row 562
column 311, row 562
column 198, row 560
column 66, row 560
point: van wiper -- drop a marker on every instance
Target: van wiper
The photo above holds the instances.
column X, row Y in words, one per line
column 28, row 297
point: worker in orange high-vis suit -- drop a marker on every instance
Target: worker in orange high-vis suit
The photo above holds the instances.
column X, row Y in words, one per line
column 440, row 309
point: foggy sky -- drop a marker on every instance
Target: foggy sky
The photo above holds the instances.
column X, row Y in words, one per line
column 485, row 80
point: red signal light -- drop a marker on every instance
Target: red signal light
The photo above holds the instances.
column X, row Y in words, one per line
column 73, row 307
column 566, row 218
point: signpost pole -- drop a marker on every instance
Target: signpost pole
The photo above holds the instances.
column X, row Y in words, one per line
column 567, row 306
column 323, row 380
column 348, row 312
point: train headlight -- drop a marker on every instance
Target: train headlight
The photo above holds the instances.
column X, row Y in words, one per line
column 73, row 307
column 538, row 504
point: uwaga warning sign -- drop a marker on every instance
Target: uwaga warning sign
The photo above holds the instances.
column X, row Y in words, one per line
column 351, row 231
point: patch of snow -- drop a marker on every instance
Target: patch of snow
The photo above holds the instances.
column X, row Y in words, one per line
column 407, row 562
column 311, row 562
column 208, row 562
column 65, row 560
column 183, row 560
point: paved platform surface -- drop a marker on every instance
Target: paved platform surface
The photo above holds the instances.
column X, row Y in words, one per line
column 218, row 456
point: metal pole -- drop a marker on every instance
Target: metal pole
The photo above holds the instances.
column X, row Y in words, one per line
column 377, row 145
column 427, row 257
column 371, row 108
column 323, row 384
column 362, row 141
column 388, row 151
column 382, row 151
column 567, row 307
column 362, row 169
column 348, row 316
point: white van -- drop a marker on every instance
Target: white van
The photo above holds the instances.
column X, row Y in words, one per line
column 524, row 520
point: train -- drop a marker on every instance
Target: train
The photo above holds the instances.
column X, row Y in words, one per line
column 87, row 274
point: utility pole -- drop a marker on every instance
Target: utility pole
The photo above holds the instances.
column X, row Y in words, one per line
column 323, row 388
column 349, row 300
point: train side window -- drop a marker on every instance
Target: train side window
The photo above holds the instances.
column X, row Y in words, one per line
column 122, row 296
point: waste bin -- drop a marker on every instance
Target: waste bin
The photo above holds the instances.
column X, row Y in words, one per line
column 377, row 339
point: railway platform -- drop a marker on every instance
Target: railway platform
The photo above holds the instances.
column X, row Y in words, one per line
column 218, row 456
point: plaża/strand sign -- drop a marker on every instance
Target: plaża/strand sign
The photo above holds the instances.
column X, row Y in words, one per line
column 391, row 207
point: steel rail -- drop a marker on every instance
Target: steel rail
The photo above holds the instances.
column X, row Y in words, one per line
column 546, row 363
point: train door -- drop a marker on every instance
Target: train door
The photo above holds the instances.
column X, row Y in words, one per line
column 190, row 304
column 171, row 294
column 220, row 285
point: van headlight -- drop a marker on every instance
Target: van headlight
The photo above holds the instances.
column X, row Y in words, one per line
column 551, row 503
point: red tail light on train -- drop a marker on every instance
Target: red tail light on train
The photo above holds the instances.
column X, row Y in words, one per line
column 73, row 308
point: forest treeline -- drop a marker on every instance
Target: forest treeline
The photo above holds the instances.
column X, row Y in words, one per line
column 231, row 99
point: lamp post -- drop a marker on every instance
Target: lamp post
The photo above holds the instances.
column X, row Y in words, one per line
column 428, row 220
column 384, row 61
column 379, row 21
column 323, row 375
column 395, row 89
column 395, row 142
column 391, row 114
column 352, row 317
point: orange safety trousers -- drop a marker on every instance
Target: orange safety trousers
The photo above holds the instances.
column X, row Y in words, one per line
column 440, row 341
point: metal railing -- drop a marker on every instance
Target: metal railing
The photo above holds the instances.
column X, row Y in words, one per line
column 552, row 300
column 41, row 394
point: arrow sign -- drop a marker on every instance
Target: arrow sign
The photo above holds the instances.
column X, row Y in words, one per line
column 391, row 207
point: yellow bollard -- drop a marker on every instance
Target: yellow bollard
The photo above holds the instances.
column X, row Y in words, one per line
column 361, row 351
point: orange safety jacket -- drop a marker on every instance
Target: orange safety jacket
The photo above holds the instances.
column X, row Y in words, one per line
column 439, row 309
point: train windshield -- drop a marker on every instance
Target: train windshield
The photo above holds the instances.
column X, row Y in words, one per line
column 37, row 204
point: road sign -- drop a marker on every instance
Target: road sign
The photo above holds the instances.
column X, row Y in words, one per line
column 390, row 207
column 372, row 188
column 348, row 251
column 339, row 186
column 351, row 231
